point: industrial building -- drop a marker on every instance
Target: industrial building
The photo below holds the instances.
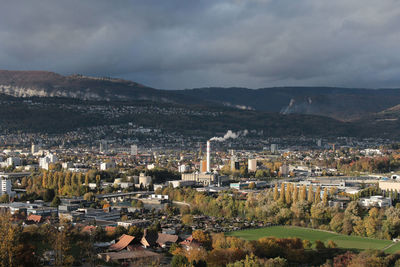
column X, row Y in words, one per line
column 181, row 183
column 202, row 178
column 205, row 179
column 242, row 185
column 389, row 185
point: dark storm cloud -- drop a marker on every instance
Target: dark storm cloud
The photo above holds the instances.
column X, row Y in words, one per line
column 178, row 44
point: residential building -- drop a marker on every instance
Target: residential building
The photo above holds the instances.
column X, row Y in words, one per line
column 376, row 201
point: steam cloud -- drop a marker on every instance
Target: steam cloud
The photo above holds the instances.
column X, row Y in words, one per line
column 230, row 134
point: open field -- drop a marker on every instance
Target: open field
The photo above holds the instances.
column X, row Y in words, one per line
column 343, row 241
column 394, row 248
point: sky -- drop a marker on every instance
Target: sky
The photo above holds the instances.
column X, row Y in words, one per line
column 171, row 44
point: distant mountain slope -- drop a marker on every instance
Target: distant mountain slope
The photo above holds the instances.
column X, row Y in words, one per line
column 344, row 104
column 50, row 84
column 60, row 115
column 339, row 103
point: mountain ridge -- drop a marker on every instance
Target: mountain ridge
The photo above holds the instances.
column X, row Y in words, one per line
column 344, row 104
column 50, row 84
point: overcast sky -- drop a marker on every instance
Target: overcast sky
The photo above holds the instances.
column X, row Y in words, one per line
column 171, row 44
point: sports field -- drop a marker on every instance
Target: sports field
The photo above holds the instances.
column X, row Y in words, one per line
column 343, row 241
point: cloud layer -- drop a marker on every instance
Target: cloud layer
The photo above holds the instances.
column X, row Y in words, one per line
column 183, row 44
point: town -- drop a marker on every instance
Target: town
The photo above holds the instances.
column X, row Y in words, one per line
column 199, row 133
column 143, row 205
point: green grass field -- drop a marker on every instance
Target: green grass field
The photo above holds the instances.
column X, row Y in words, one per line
column 343, row 241
column 393, row 249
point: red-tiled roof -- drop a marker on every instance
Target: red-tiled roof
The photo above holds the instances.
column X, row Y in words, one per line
column 34, row 218
column 123, row 242
column 190, row 241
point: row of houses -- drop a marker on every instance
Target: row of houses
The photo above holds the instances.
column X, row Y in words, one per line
column 128, row 249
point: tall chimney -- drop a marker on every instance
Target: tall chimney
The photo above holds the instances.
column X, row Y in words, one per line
column 208, row 156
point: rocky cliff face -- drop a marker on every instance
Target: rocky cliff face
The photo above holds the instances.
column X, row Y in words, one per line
column 41, row 92
column 49, row 84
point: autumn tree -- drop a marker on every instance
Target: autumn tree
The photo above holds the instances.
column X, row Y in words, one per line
column 282, row 193
column 288, row 194
column 98, row 181
column 62, row 245
column 87, row 179
column 68, row 179
column 187, row 219
column 331, row 244
column 203, row 238
column 9, row 236
column 295, row 194
column 249, row 261
column 303, row 193
column 44, row 180
column 325, row 197
column 276, row 192
column 317, row 197
column 310, row 195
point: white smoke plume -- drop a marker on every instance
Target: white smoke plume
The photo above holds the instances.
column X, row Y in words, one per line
column 230, row 134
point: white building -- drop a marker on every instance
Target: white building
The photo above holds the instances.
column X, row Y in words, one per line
column 34, row 149
column 181, row 183
column 144, row 180
column 134, row 150
column 13, row 161
column 183, row 168
column 103, row 147
column 376, row 201
column 46, row 161
column 67, row 165
column 252, row 165
column 6, row 187
column 107, row 165
column 319, row 142
column 274, row 148
column 202, row 178
column 371, row 152
column 284, row 170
